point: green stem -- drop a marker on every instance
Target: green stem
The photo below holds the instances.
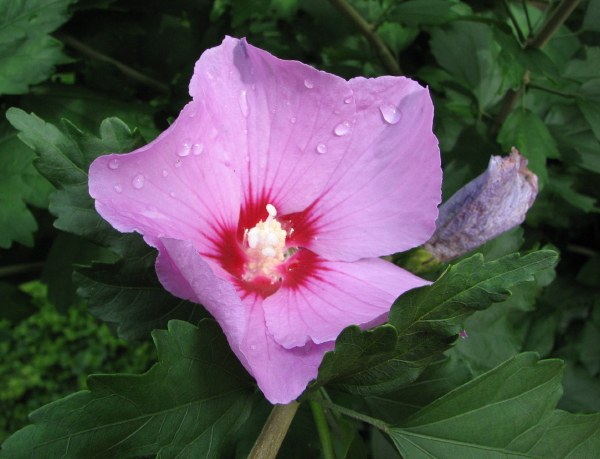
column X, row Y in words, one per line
column 351, row 413
column 125, row 69
column 323, row 429
column 368, row 31
column 569, row 95
column 269, row 441
column 20, row 269
column 552, row 24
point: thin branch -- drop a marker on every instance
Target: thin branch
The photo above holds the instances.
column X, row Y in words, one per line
column 569, row 95
column 21, row 268
column 368, row 30
column 125, row 69
column 269, row 441
column 514, row 21
column 552, row 24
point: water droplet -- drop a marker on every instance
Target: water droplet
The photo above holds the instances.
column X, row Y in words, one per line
column 198, row 148
column 165, row 173
column 113, row 164
column 118, row 188
column 192, row 112
column 293, row 120
column 347, row 100
column 390, row 113
column 342, row 129
column 247, row 159
column 309, row 83
column 252, row 71
column 336, row 112
column 243, row 104
column 245, row 131
column 138, row 181
column 253, row 87
column 321, row 148
column 287, row 102
column 178, row 163
column 253, row 347
column 172, row 194
column 184, row 148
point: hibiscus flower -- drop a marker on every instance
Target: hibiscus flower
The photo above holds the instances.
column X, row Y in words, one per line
column 271, row 197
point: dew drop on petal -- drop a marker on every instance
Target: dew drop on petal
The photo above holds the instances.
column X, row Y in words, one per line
column 138, row 181
column 118, row 188
column 197, row 148
column 184, row 148
column 288, row 103
column 347, row 100
column 293, row 120
column 165, row 173
column 192, row 112
column 247, row 159
column 342, row 129
column 243, row 104
column 253, row 347
column 309, row 83
column 390, row 113
column 253, row 87
column 113, row 164
column 178, row 163
column 322, row 148
column 172, row 194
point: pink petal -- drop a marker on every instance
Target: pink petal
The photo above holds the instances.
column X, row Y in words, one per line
column 383, row 197
column 281, row 374
column 275, row 116
column 157, row 192
column 319, row 298
column 184, row 273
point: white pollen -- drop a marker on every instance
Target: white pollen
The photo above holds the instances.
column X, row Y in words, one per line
column 269, row 252
column 272, row 239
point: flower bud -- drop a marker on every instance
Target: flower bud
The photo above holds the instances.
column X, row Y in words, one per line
column 486, row 207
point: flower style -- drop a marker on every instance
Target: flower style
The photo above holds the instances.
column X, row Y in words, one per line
column 270, row 198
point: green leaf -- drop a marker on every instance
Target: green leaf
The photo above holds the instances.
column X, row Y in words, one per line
column 464, row 288
column 524, row 130
column 65, row 155
column 27, row 53
column 129, row 294
column 20, row 184
column 186, row 406
column 505, row 413
column 497, row 334
column 586, row 69
column 589, row 104
column 436, row 381
column 470, row 53
column 87, row 109
column 428, row 12
column 591, row 20
column 422, row 323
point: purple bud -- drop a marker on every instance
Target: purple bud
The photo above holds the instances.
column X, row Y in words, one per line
column 486, row 207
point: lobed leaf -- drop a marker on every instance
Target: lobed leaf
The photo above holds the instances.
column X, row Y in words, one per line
column 507, row 413
column 188, row 405
column 422, row 324
column 27, row 53
column 129, row 294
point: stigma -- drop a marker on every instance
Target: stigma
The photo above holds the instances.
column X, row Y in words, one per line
column 265, row 247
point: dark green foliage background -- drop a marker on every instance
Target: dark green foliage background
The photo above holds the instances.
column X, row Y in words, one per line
column 85, row 61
